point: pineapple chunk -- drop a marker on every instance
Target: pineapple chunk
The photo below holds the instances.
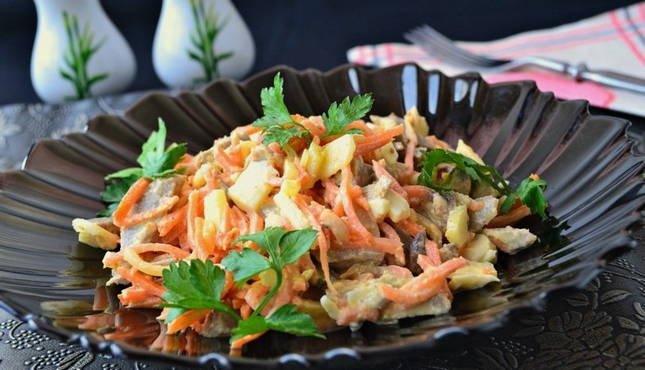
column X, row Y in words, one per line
column 290, row 184
column 480, row 249
column 417, row 122
column 312, row 160
column 337, row 155
column 457, row 226
column 473, row 276
column 246, row 147
column 94, row 235
column 387, row 152
column 216, row 208
column 251, row 187
column 290, row 211
column 465, row 150
column 399, row 207
column 199, row 179
column 380, row 208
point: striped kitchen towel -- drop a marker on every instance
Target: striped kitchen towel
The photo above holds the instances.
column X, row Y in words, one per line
column 614, row 40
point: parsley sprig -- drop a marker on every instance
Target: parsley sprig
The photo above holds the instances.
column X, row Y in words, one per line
column 283, row 247
column 477, row 172
column 530, row 191
column 279, row 127
column 199, row 285
column 155, row 160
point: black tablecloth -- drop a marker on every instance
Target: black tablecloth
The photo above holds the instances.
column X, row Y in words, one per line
column 602, row 326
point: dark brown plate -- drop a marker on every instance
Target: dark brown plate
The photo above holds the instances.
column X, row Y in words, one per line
column 590, row 163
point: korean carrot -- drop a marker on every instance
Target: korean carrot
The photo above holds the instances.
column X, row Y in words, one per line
column 171, row 220
column 139, row 279
column 186, row 319
column 130, row 199
column 370, row 143
column 355, row 223
column 237, row 345
column 424, row 286
column 511, row 217
column 432, row 251
column 361, row 126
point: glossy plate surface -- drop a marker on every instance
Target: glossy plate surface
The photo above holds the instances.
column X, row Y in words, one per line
column 590, row 163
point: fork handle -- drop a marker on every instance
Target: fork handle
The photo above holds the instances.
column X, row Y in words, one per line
column 581, row 72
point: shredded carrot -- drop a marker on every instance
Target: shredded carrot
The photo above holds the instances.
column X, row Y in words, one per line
column 323, row 245
column 238, row 344
column 129, row 200
column 169, row 221
column 195, row 209
column 424, row 286
column 141, row 280
column 316, row 128
column 432, row 251
column 534, row 176
column 355, row 223
column 186, row 319
column 511, row 217
column 413, row 140
column 370, row 143
column 164, row 206
column 391, row 234
column 379, row 170
column 411, row 227
column 361, row 126
column 417, row 194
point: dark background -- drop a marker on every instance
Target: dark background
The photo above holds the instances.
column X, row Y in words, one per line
column 300, row 33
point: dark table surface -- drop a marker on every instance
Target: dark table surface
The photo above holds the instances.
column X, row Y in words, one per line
column 602, row 326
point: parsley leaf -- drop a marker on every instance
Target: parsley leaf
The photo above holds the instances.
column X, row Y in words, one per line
column 285, row 319
column 476, row 171
column 273, row 107
column 245, row 264
column 338, row 116
column 156, row 161
column 283, row 247
column 194, row 285
column 113, row 193
column 277, row 123
column 531, row 193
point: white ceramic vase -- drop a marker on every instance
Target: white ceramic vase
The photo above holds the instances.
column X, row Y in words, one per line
column 78, row 52
column 183, row 53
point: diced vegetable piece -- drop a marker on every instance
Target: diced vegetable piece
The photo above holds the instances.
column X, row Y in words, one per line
column 216, row 208
column 457, row 226
column 290, row 183
column 387, row 152
column 290, row 211
column 480, row 249
column 509, row 239
column 417, row 122
column 312, row 160
column 380, row 208
column 199, row 179
column 399, row 207
column 252, row 187
column 335, row 224
column 473, row 276
column 465, row 150
column 337, row 155
column 94, row 235
column 480, row 218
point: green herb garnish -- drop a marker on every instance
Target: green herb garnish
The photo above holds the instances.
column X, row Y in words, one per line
column 477, row 172
column 338, row 116
column 531, row 193
column 279, row 127
column 156, row 161
column 197, row 285
column 283, row 247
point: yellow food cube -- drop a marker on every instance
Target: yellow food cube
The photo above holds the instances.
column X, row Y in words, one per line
column 216, row 208
column 387, row 152
column 473, row 276
column 399, row 207
column 337, row 155
column 290, row 211
column 480, row 249
column 94, row 235
column 380, row 208
column 312, row 160
column 457, row 226
column 251, row 187
column 465, row 150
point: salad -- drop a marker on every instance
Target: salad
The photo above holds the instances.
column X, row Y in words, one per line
column 300, row 224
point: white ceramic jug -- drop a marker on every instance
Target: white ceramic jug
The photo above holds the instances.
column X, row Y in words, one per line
column 199, row 40
column 78, row 52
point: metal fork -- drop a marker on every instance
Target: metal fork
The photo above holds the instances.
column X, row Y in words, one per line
column 434, row 43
